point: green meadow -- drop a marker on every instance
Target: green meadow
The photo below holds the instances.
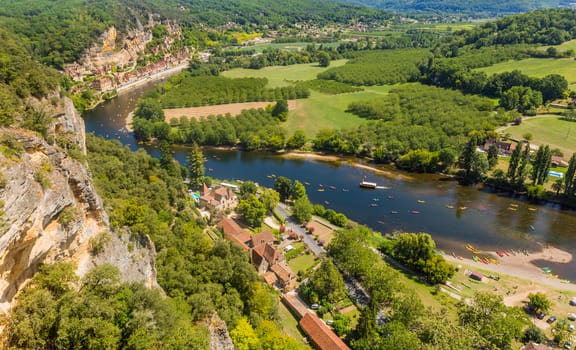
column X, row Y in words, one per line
column 287, row 46
column 320, row 110
column 280, row 75
column 547, row 129
column 538, row 67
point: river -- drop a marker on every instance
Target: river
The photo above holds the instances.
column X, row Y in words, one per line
column 455, row 215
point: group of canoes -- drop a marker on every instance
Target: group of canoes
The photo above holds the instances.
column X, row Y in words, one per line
column 485, row 260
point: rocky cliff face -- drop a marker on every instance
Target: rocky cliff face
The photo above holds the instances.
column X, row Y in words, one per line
column 51, row 209
column 117, row 52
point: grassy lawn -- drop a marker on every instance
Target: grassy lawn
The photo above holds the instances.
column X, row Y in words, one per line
column 538, row 67
column 303, row 262
column 549, row 130
column 286, row 46
column 278, row 75
column 290, row 325
column 320, row 110
column 569, row 45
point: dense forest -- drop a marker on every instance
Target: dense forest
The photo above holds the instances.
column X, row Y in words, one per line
column 57, row 32
column 193, row 91
column 379, row 67
column 455, row 8
column 423, row 125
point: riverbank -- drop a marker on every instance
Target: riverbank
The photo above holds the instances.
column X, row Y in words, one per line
column 152, row 77
column 353, row 161
column 523, row 266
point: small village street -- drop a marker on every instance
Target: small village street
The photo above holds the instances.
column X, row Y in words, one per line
column 292, row 225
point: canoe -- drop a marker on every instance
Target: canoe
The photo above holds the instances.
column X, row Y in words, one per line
column 472, row 249
column 414, row 212
column 476, row 258
column 326, row 202
column 374, row 204
column 421, row 201
column 320, row 190
column 450, row 206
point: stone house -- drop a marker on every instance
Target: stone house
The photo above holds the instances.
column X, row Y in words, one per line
column 219, row 199
column 504, row 148
column 234, row 233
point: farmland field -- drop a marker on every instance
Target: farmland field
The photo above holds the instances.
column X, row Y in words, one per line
column 319, row 110
column 538, row 67
column 286, row 46
column 279, row 75
column 204, row 111
column 547, row 129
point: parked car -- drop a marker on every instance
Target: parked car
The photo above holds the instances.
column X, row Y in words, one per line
column 541, row 316
column 571, row 327
column 551, row 319
column 315, row 306
column 573, row 302
column 572, row 317
column 568, row 345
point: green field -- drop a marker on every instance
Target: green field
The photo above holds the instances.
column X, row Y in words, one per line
column 320, row 110
column 279, row 75
column 568, row 45
column 289, row 324
column 547, row 129
column 303, row 263
column 286, row 46
column 538, row 67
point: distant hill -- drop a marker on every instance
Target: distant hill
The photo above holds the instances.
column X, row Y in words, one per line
column 58, row 31
column 465, row 8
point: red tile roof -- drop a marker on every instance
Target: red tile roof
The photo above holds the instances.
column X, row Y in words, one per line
column 320, row 334
column 233, row 232
column 283, row 271
column 263, row 237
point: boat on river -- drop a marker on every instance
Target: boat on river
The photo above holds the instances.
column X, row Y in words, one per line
column 370, row 185
column 421, row 201
column 414, row 212
column 332, row 187
column 374, row 204
column 471, row 248
column 320, row 190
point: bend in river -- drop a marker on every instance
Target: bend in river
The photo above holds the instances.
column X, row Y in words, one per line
column 453, row 214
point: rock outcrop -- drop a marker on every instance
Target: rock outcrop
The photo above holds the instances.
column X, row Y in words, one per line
column 50, row 208
column 219, row 337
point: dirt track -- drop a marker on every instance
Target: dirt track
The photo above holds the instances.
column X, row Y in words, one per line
column 204, row 111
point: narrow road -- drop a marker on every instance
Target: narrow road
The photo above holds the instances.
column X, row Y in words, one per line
column 291, row 224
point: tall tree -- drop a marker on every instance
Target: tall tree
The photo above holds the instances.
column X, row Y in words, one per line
column 298, row 190
column 302, row 209
column 513, row 164
column 196, row 162
column 323, row 59
column 523, row 168
column 468, row 155
column 252, row 210
column 569, row 177
column 541, row 165
column 492, row 156
column 539, row 302
column 283, row 186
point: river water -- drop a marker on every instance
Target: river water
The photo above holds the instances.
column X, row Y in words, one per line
column 455, row 215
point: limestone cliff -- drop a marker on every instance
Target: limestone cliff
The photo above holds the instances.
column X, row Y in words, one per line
column 51, row 210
